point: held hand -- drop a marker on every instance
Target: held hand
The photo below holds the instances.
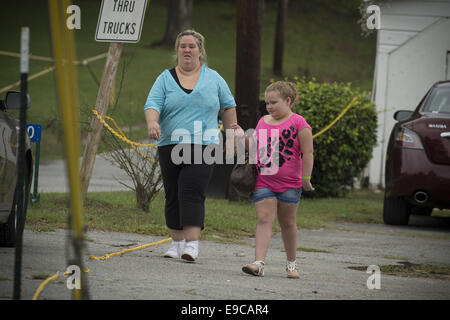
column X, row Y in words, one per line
column 238, row 134
column 238, row 131
column 307, row 186
column 233, row 132
column 154, row 131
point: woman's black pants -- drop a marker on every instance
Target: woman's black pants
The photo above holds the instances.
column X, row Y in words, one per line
column 185, row 186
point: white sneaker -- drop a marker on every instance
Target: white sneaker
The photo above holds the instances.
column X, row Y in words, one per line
column 175, row 250
column 190, row 252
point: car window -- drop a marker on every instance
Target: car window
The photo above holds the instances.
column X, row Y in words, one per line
column 439, row 101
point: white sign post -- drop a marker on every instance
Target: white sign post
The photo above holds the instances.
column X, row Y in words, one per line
column 120, row 21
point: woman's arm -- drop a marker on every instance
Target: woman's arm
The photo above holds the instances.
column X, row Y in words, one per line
column 306, row 142
column 152, row 117
column 229, row 118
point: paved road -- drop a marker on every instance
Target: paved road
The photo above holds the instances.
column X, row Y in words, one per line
column 105, row 177
column 217, row 275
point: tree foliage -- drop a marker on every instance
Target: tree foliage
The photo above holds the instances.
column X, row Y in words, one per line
column 342, row 152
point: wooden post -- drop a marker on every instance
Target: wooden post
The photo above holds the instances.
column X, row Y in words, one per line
column 279, row 38
column 248, row 56
column 101, row 106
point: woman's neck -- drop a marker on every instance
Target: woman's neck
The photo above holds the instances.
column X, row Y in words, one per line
column 188, row 70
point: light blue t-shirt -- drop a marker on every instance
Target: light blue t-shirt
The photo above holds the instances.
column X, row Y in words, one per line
column 189, row 117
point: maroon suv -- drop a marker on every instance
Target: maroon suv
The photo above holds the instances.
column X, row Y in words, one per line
column 418, row 158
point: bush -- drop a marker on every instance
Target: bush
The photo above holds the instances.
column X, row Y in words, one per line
column 342, row 152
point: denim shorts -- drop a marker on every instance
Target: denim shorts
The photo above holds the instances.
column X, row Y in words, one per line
column 290, row 196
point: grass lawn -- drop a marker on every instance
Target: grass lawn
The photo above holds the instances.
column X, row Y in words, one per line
column 115, row 211
column 322, row 41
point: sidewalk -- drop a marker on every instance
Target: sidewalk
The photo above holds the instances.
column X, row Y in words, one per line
column 105, row 177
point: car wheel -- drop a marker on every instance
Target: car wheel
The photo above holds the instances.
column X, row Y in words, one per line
column 396, row 211
column 10, row 230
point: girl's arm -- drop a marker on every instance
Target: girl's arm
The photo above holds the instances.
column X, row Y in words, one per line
column 306, row 142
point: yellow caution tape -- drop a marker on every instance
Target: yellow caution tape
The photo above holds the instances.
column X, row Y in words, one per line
column 122, row 136
column 337, row 118
column 107, row 256
column 43, row 284
column 332, row 122
column 47, row 281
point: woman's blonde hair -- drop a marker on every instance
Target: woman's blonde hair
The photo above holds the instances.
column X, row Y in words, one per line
column 199, row 39
column 286, row 90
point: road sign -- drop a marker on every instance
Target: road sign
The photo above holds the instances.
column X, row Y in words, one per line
column 34, row 131
column 120, row 21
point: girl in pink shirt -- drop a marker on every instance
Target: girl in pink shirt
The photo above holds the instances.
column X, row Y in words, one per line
column 284, row 162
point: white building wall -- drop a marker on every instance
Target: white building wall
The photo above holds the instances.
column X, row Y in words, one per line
column 412, row 47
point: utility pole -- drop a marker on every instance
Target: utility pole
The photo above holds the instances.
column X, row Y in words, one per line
column 248, row 64
column 279, row 38
column 248, row 61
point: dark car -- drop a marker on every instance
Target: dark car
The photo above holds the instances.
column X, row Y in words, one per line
column 418, row 158
column 9, row 200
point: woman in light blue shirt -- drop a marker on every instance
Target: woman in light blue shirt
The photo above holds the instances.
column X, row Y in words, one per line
column 182, row 105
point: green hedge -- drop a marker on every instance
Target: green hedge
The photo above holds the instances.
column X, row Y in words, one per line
column 342, row 152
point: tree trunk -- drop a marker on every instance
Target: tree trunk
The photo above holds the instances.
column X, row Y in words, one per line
column 179, row 18
column 279, row 38
column 248, row 56
column 142, row 198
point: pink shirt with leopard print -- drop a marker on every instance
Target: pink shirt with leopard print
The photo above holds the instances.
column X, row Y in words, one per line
column 278, row 156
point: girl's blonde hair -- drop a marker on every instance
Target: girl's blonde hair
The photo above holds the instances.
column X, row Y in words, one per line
column 199, row 39
column 286, row 90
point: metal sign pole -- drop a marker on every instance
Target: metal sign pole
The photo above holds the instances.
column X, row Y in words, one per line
column 24, row 55
column 36, row 197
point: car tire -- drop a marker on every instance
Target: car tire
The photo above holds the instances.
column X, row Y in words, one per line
column 396, row 211
column 10, row 230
